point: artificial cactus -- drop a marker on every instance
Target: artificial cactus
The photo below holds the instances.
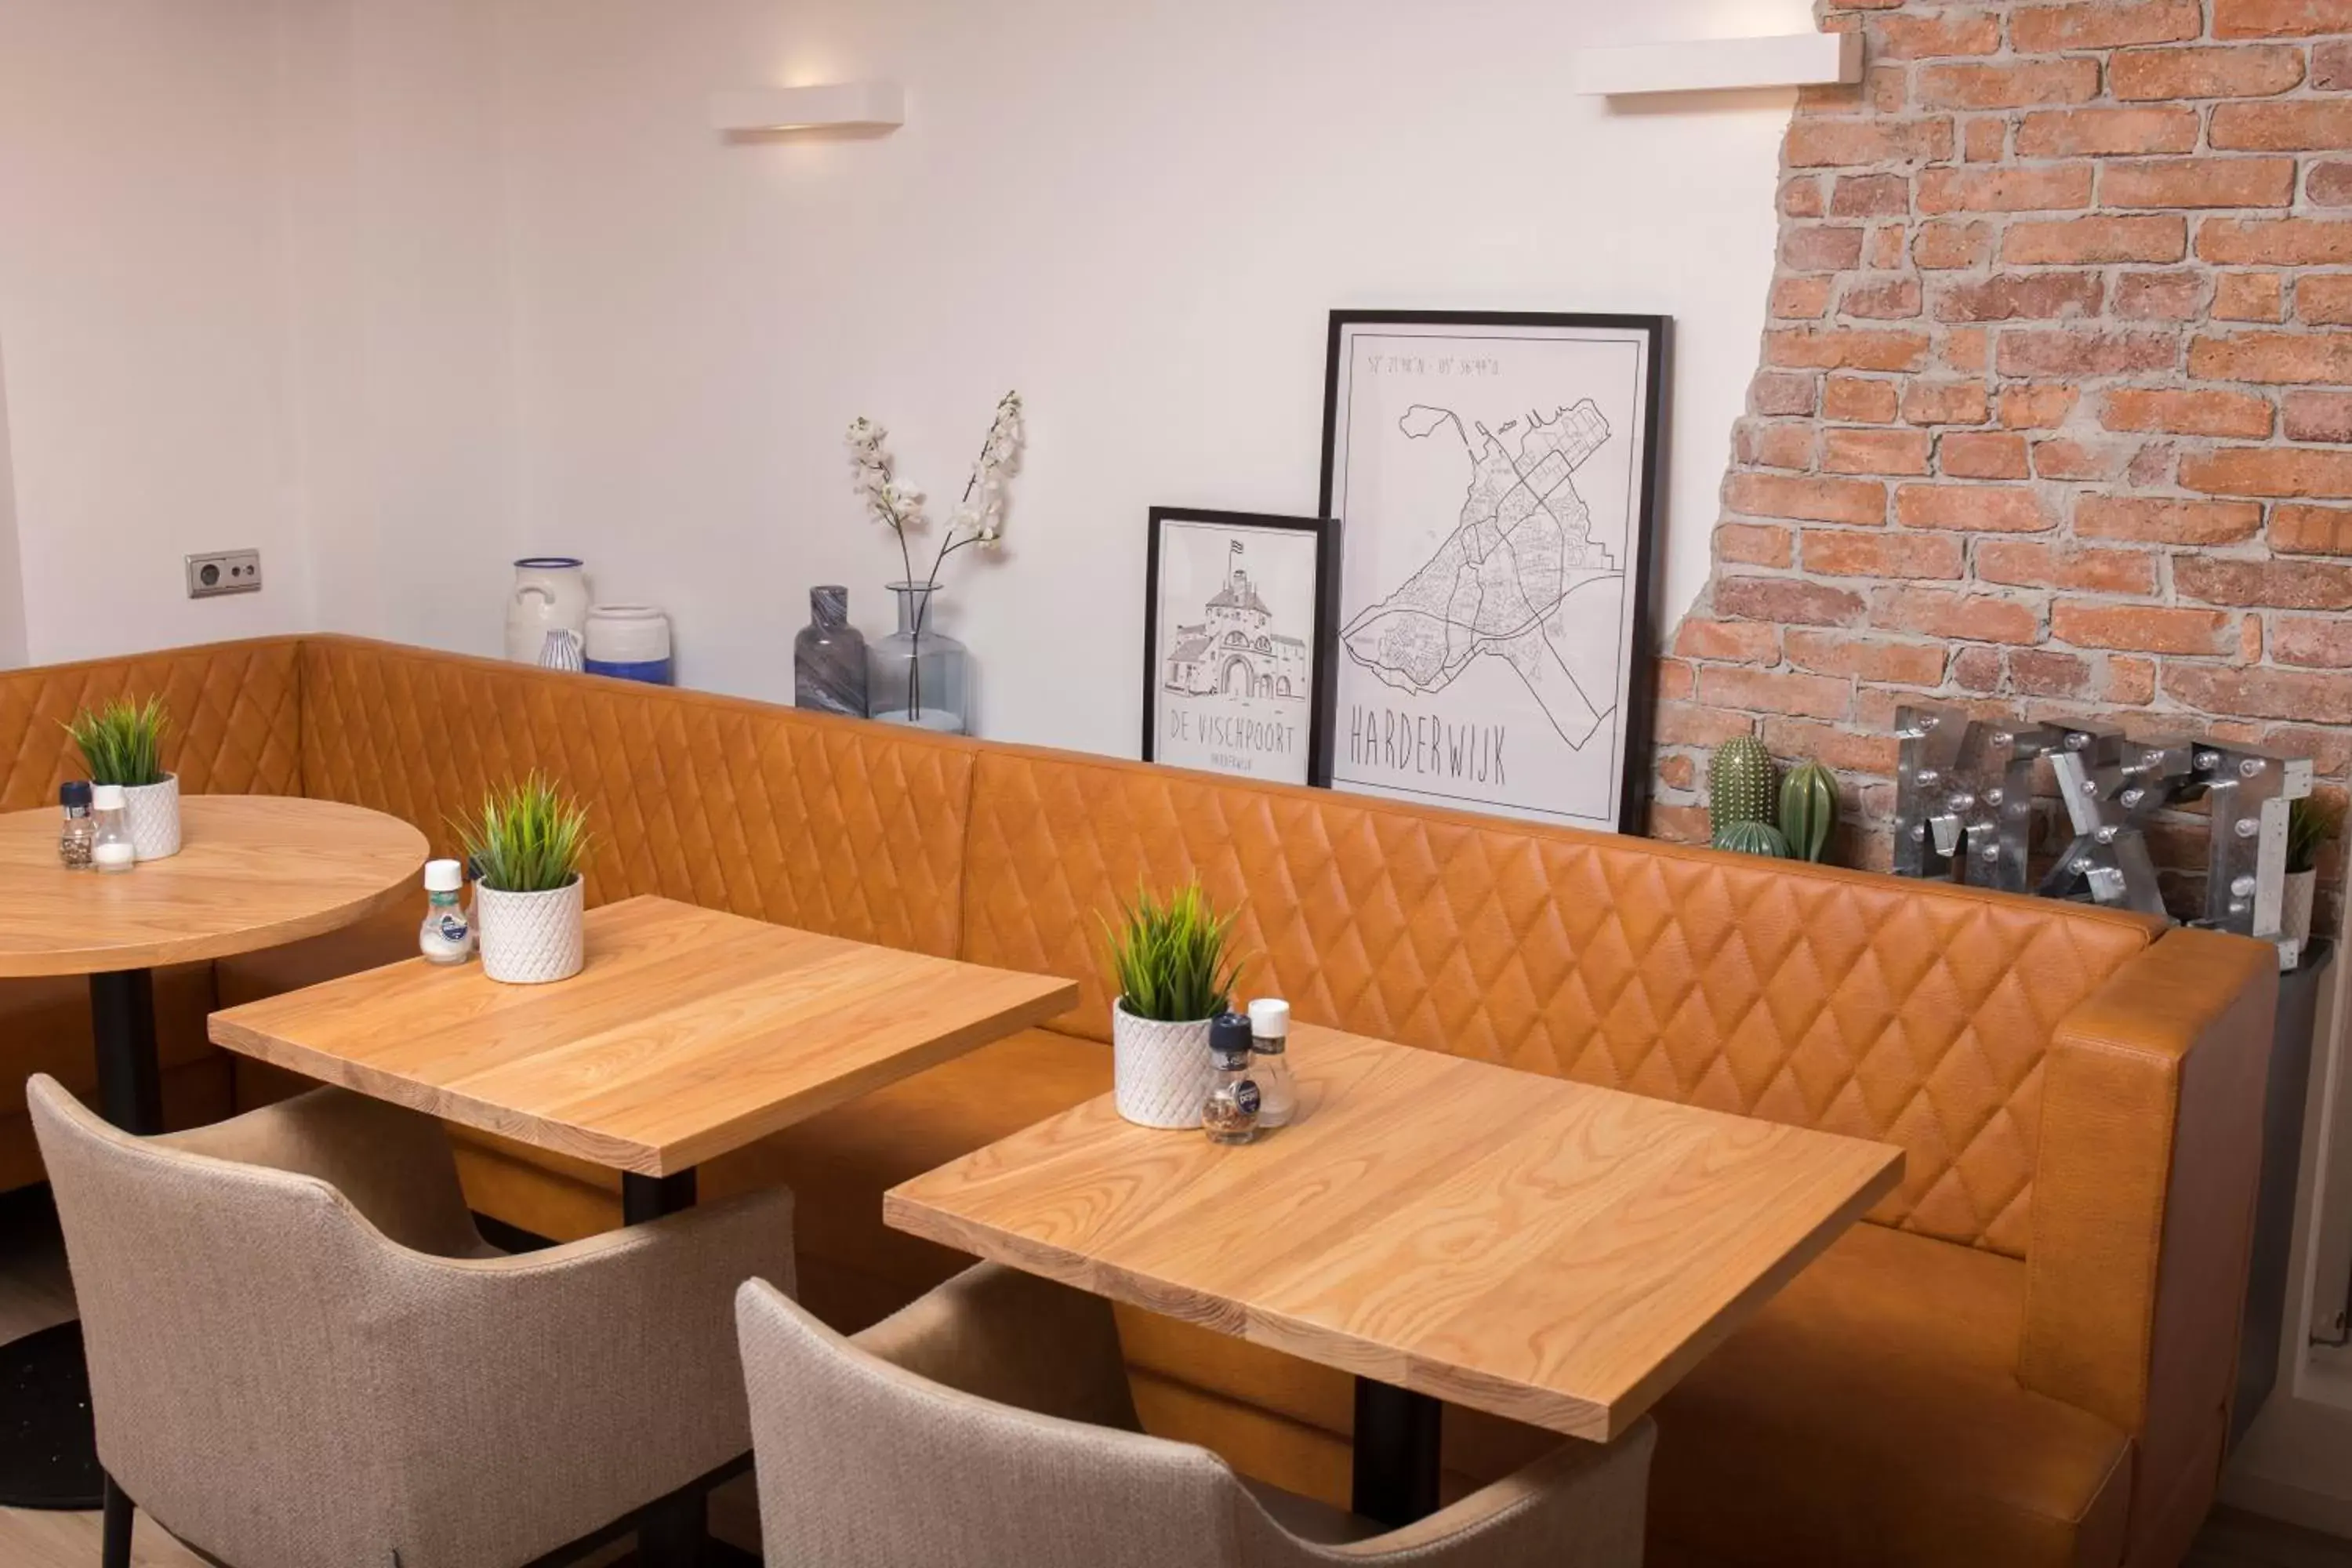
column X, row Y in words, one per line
column 1740, row 783
column 1808, row 809
column 1752, row 838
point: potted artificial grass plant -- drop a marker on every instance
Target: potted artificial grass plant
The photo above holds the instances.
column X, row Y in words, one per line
column 122, row 743
column 1171, row 962
column 527, row 845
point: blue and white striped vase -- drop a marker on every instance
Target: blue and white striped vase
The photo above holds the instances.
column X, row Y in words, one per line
column 629, row 642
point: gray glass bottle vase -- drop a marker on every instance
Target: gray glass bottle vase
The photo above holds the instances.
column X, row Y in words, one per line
column 918, row 675
column 829, row 657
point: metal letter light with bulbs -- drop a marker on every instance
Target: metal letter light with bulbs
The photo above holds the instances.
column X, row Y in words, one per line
column 1964, row 792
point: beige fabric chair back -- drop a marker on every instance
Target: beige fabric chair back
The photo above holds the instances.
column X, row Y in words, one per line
column 220, row 1304
column 864, row 1464
column 302, row 1356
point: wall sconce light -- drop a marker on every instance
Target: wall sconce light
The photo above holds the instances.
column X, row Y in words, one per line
column 1706, row 65
column 843, row 106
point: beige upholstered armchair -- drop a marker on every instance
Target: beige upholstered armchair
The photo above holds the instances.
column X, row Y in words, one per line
column 989, row 1425
column 302, row 1353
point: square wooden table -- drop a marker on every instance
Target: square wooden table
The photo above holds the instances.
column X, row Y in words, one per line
column 1443, row 1228
column 691, row 1032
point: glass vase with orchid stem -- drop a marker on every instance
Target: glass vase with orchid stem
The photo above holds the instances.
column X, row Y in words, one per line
column 920, row 675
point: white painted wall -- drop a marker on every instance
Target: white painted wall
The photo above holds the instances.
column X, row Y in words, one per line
column 1139, row 213
column 396, row 289
column 401, row 311
column 141, row 292
column 12, row 578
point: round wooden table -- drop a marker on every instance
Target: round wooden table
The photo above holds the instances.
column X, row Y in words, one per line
column 253, row 872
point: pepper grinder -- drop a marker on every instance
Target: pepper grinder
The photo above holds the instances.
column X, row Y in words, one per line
column 77, row 833
column 1230, row 1114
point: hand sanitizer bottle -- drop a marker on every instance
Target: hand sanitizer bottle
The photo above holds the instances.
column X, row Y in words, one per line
column 444, row 937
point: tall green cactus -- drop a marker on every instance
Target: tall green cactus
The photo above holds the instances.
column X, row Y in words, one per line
column 1808, row 809
column 1740, row 783
column 1752, row 838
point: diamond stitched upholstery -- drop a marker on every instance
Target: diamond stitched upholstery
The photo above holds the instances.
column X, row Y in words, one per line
column 1853, row 1004
column 1920, row 1014
column 1915, row 1013
column 236, row 712
column 830, row 825
column 235, row 708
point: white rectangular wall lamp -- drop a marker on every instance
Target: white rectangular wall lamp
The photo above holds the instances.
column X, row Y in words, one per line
column 1711, row 65
column 850, row 105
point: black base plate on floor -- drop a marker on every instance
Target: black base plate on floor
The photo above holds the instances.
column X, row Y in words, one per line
column 717, row 1554
column 49, row 1451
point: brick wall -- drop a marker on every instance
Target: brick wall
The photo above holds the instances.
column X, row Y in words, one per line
column 2054, row 407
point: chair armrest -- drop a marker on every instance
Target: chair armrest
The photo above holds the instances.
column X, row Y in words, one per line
column 1013, row 1339
column 595, row 1376
column 2144, row 1190
column 392, row 1164
column 1580, row 1505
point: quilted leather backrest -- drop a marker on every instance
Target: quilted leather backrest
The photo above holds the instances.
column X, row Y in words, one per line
column 852, row 829
column 235, row 711
column 1913, row 1013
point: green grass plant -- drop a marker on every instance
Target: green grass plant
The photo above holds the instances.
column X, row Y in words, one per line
column 529, row 838
column 2311, row 822
column 1172, row 959
column 123, row 743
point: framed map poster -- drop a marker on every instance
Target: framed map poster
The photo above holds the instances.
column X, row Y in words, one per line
column 1498, row 477
column 1237, row 636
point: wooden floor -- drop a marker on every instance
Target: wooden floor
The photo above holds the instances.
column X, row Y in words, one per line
column 35, row 1293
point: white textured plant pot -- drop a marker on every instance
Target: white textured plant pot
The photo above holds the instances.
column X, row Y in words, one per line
column 2294, row 905
column 1160, row 1072
column 529, row 939
column 152, row 813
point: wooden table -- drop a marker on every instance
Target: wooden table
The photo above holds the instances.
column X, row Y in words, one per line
column 691, row 1032
column 253, row 872
column 1443, row 1228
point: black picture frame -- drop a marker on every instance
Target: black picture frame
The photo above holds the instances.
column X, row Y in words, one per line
column 1638, row 691
column 1325, row 534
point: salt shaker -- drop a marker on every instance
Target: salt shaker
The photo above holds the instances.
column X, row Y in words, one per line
column 1269, row 1020
column 77, row 833
column 110, row 848
column 1230, row 1114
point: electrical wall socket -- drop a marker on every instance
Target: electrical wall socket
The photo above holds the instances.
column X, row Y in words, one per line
column 224, row 571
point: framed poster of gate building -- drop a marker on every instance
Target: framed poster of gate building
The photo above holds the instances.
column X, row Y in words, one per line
column 1498, row 478
column 1237, row 629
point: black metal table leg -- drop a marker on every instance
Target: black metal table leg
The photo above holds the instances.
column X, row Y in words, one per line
column 48, row 1450
column 674, row 1532
column 1396, row 1457
column 130, row 1078
column 650, row 1197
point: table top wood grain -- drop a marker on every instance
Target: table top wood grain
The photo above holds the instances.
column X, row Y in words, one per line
column 691, row 1032
column 253, row 872
column 1549, row 1251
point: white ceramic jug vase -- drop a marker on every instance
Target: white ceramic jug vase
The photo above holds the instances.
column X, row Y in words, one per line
column 551, row 593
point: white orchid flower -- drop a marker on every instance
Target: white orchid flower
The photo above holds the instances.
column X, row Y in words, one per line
column 978, row 517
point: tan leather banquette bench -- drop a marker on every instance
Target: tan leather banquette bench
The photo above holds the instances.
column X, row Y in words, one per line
column 2023, row 1360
